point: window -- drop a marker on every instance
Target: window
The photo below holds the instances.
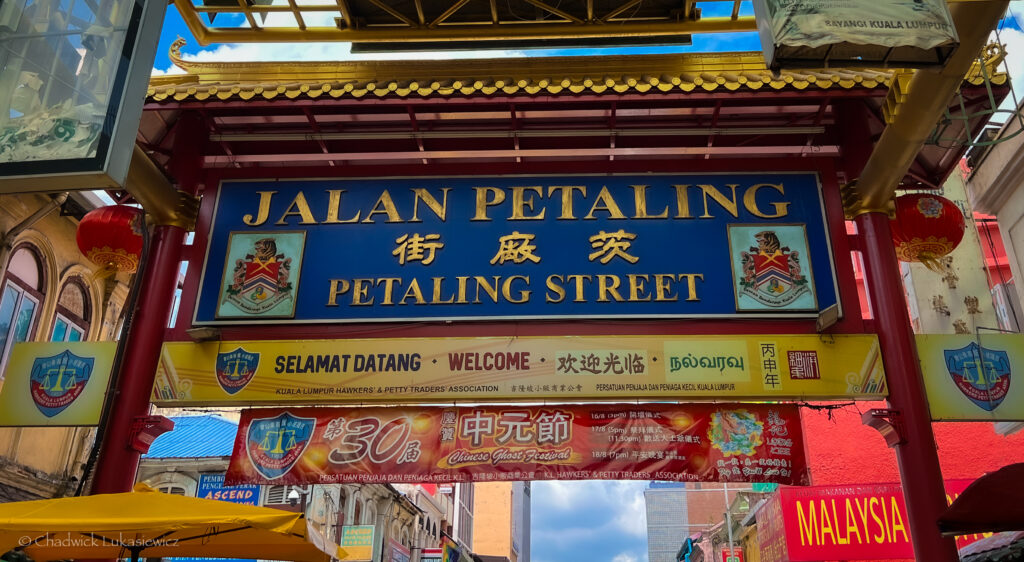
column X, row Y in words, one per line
column 73, row 310
column 173, row 490
column 19, row 303
column 278, row 495
column 357, row 513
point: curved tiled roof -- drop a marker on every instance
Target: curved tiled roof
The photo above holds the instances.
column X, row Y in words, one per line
column 684, row 82
column 700, row 72
column 195, row 437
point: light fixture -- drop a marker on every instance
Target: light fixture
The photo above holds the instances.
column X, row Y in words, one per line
column 293, row 497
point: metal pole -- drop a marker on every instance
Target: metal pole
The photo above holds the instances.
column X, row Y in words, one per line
column 728, row 516
column 118, row 462
column 918, row 460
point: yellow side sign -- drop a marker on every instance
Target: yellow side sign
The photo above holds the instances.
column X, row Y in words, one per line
column 968, row 377
column 56, row 383
column 524, row 369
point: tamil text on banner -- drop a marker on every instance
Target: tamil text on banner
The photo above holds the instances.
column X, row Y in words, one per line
column 517, row 247
column 770, row 367
column 968, row 377
column 694, row 442
column 847, row 522
column 56, row 383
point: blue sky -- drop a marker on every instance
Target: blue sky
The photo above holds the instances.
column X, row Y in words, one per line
column 592, row 521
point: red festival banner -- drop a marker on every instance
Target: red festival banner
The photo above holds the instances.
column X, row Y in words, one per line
column 692, row 442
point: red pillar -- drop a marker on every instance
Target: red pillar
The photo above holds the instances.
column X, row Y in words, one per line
column 917, row 456
column 118, row 462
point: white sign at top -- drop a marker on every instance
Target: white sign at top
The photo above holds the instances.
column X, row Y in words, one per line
column 825, row 33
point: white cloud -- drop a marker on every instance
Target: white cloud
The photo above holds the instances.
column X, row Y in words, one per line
column 560, row 495
column 591, row 510
column 172, row 70
column 318, row 51
column 632, row 516
column 625, row 557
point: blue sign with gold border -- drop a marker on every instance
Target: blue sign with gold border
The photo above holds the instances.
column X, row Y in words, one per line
column 517, row 247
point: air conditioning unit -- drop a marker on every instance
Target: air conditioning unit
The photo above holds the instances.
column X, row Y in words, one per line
column 278, row 495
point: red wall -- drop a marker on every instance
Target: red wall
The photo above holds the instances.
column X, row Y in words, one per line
column 842, row 450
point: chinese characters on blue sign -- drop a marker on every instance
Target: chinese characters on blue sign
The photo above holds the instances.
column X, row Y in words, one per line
column 517, row 247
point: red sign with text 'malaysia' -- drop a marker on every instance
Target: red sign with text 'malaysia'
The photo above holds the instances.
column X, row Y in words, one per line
column 852, row 522
column 690, row 442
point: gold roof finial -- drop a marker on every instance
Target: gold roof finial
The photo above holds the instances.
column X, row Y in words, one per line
column 174, row 53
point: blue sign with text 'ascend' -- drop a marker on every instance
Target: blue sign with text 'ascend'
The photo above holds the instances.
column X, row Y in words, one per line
column 701, row 245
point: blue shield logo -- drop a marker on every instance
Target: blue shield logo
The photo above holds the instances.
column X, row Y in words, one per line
column 56, row 382
column 276, row 444
column 982, row 375
column 235, row 369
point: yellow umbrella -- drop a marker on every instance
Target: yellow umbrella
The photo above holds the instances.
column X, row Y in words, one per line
column 153, row 524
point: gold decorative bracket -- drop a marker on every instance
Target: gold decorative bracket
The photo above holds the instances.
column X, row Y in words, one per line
column 897, row 94
column 187, row 211
column 158, row 197
column 853, row 203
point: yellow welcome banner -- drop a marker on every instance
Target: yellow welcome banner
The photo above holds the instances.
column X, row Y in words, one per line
column 520, row 369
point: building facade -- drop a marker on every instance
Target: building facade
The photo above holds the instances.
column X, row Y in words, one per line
column 463, row 494
column 191, row 460
column 667, row 519
column 501, row 520
column 994, row 187
column 49, row 293
column 438, row 506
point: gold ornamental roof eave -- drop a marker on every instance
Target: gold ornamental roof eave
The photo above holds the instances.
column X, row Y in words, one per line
column 701, row 72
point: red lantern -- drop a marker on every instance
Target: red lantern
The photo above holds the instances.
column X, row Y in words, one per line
column 111, row 237
column 926, row 228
